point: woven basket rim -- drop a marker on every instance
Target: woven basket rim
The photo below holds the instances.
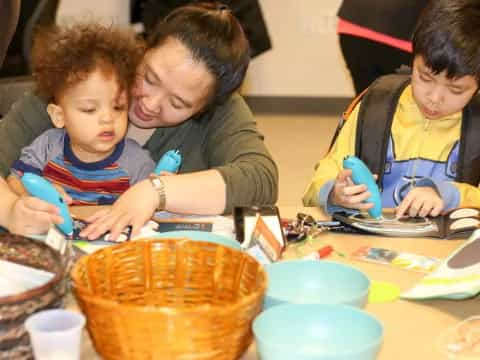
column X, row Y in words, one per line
column 28, row 294
column 97, row 300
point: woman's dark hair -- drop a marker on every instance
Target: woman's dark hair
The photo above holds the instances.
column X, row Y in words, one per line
column 214, row 37
column 447, row 36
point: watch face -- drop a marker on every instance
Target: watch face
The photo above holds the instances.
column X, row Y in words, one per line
column 157, row 183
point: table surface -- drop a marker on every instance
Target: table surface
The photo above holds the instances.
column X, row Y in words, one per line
column 411, row 328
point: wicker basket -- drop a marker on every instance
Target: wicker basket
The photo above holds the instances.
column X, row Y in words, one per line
column 169, row 299
column 14, row 341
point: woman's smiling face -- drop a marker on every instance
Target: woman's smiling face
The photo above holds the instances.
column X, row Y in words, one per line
column 171, row 87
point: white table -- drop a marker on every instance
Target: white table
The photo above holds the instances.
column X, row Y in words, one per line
column 411, row 328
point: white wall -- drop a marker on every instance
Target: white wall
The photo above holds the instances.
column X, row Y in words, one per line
column 305, row 59
column 109, row 11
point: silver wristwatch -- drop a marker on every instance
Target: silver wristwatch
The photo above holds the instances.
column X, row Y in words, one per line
column 159, row 187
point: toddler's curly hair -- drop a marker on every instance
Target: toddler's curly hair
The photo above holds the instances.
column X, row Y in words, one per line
column 62, row 56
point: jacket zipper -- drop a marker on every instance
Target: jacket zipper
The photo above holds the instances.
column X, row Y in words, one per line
column 425, row 129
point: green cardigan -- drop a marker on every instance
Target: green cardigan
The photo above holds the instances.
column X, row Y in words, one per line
column 225, row 139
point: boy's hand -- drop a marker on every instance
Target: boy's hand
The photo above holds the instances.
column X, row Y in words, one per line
column 134, row 207
column 29, row 215
column 346, row 194
column 420, row 201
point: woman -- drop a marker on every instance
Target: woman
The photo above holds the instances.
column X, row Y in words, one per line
column 196, row 60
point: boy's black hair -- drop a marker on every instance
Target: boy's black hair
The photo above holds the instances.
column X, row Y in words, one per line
column 447, row 36
column 214, row 37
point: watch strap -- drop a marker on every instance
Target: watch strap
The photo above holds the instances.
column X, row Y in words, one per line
column 159, row 187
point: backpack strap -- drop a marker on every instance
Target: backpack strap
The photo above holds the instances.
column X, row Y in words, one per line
column 375, row 118
column 345, row 116
column 353, row 105
column 468, row 168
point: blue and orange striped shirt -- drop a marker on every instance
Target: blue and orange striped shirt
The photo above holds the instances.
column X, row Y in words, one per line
column 97, row 183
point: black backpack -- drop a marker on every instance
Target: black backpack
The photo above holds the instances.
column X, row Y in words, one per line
column 377, row 108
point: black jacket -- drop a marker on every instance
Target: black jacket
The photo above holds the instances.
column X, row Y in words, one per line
column 396, row 18
column 248, row 12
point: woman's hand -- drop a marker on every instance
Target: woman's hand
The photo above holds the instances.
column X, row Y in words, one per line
column 66, row 198
column 134, row 207
column 17, row 187
column 421, row 201
column 348, row 195
column 29, row 215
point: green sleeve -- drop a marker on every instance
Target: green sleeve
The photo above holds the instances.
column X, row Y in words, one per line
column 26, row 119
column 236, row 149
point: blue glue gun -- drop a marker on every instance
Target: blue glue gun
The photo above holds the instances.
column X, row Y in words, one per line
column 170, row 162
column 362, row 175
column 41, row 188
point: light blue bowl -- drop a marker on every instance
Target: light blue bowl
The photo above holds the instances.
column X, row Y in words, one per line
column 315, row 282
column 201, row 236
column 317, row 332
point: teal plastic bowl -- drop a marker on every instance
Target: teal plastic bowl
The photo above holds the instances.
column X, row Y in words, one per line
column 201, row 236
column 317, row 332
column 315, row 282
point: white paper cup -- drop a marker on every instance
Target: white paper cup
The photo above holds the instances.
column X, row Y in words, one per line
column 55, row 334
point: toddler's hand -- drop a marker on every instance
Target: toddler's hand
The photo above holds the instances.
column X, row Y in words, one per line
column 134, row 207
column 420, row 201
column 346, row 194
column 66, row 198
column 29, row 215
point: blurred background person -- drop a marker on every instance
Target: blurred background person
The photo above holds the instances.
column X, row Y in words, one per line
column 9, row 13
column 248, row 13
column 375, row 37
column 21, row 19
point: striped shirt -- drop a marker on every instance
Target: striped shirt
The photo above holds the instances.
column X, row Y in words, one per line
column 97, row 183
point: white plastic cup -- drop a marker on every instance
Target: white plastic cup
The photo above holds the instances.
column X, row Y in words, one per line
column 55, row 334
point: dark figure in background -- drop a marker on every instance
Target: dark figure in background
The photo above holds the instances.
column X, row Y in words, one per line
column 375, row 37
column 248, row 13
column 30, row 14
column 9, row 12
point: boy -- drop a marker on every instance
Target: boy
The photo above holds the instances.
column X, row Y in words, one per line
column 420, row 157
column 85, row 72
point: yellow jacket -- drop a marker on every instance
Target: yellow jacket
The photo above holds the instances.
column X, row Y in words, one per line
column 420, row 149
